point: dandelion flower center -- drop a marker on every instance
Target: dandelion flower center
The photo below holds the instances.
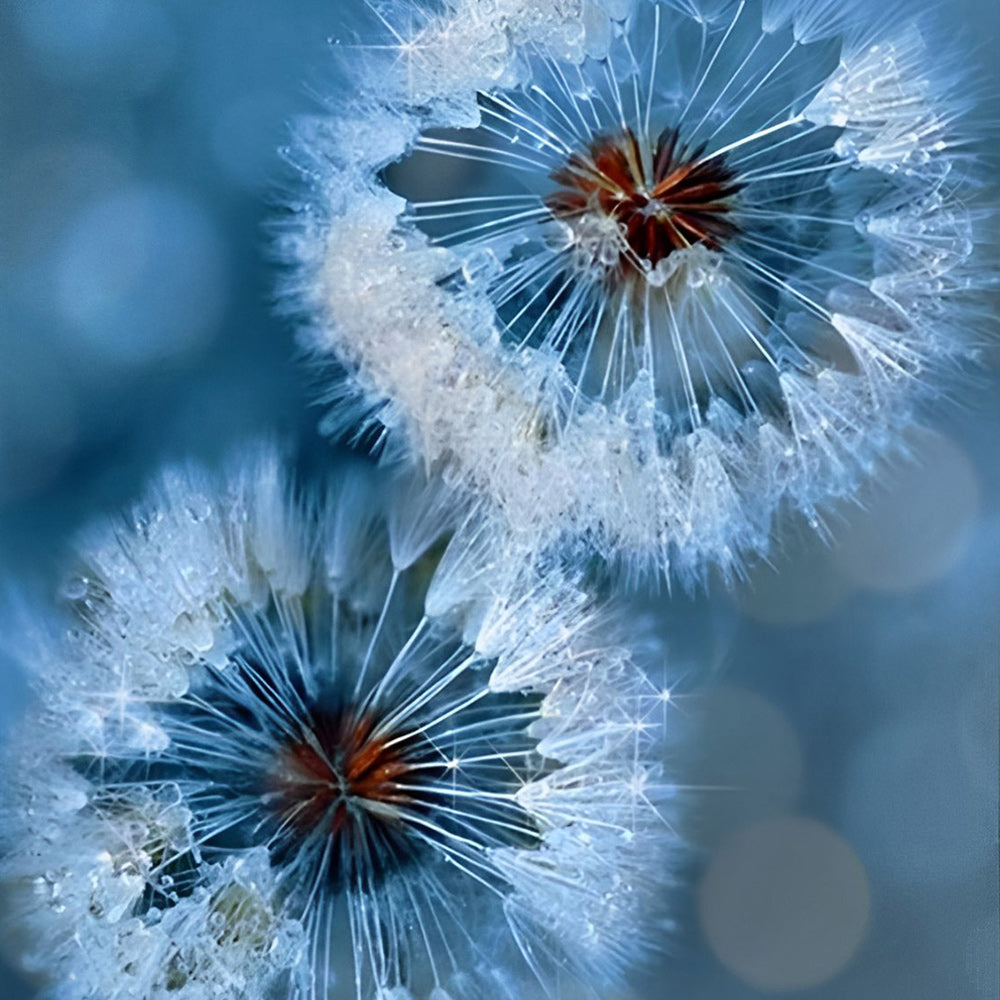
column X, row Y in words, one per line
column 363, row 786
column 659, row 197
column 341, row 772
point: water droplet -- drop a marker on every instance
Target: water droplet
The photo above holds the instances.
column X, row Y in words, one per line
column 75, row 588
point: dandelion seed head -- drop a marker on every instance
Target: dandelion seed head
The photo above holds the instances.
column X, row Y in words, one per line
column 655, row 271
column 332, row 742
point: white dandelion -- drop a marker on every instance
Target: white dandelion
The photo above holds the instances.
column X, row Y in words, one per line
column 293, row 747
column 665, row 268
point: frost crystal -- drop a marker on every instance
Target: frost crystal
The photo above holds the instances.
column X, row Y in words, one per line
column 330, row 745
column 640, row 273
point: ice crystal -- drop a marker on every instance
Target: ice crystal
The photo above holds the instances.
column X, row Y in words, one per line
column 664, row 268
column 331, row 744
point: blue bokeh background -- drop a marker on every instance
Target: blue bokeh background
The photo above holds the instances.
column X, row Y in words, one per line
column 835, row 718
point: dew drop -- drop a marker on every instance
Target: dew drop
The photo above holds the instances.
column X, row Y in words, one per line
column 75, row 589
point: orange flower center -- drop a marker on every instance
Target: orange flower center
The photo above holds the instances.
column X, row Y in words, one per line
column 666, row 201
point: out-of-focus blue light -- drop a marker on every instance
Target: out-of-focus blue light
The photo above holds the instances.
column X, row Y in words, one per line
column 141, row 276
column 77, row 41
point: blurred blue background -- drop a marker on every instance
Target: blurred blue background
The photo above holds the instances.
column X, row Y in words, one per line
column 835, row 718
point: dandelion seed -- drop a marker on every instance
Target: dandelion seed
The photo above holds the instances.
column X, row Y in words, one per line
column 262, row 767
column 663, row 269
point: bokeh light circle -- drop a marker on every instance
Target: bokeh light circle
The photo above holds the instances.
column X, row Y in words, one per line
column 785, row 904
column 141, row 276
